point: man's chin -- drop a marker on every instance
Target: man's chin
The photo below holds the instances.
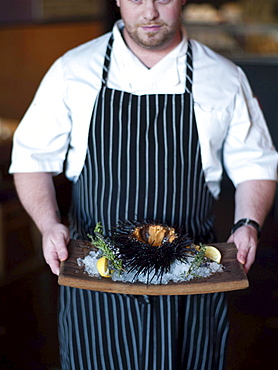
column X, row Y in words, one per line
column 150, row 41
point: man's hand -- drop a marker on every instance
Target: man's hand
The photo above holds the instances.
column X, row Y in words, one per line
column 55, row 240
column 253, row 200
column 246, row 240
column 37, row 194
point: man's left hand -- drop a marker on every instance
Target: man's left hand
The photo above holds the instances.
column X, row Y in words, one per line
column 246, row 240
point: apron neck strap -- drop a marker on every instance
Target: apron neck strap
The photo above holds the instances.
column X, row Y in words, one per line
column 107, row 61
column 189, row 67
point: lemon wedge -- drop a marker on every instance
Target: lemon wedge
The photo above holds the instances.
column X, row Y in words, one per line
column 103, row 268
column 212, row 253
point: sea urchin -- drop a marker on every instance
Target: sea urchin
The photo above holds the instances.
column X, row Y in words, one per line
column 150, row 247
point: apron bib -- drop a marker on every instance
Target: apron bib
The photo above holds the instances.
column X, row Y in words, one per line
column 143, row 163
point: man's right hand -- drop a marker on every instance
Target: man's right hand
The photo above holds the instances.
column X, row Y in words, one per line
column 54, row 244
column 37, row 194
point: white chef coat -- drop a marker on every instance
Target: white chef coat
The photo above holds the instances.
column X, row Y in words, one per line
column 56, row 125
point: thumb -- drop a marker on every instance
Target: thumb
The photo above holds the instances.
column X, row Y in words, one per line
column 61, row 247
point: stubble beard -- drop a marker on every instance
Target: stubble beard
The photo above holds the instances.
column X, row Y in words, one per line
column 152, row 40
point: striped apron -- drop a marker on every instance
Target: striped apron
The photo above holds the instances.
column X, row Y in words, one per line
column 143, row 162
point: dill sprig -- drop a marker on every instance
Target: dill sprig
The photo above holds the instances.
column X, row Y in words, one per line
column 107, row 248
column 198, row 259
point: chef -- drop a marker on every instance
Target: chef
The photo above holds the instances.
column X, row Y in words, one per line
column 143, row 120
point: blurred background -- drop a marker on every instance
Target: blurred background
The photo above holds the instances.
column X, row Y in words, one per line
column 33, row 33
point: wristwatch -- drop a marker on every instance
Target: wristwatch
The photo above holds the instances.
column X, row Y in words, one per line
column 247, row 221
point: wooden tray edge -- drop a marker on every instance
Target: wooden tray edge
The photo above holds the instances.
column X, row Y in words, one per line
column 173, row 289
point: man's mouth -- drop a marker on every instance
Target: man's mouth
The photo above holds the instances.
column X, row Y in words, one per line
column 151, row 27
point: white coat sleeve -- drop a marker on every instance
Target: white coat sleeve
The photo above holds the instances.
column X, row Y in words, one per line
column 248, row 151
column 41, row 140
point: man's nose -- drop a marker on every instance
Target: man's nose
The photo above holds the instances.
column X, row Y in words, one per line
column 150, row 11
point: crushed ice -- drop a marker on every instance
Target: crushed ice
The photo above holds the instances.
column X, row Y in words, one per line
column 178, row 273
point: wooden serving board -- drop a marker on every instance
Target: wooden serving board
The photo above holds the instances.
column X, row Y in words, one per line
column 233, row 277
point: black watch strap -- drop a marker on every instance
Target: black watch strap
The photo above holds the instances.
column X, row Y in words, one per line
column 247, row 221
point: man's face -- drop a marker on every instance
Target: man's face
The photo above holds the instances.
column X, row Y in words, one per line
column 152, row 24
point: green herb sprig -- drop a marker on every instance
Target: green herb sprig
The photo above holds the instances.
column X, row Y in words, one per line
column 198, row 259
column 105, row 246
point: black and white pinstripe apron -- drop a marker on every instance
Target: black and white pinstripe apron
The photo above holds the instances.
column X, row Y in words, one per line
column 143, row 162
